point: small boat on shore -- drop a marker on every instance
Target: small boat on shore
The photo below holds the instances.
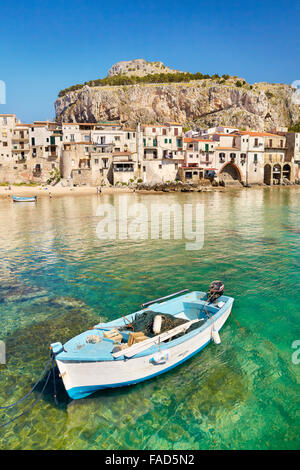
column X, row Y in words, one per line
column 163, row 334
column 24, row 199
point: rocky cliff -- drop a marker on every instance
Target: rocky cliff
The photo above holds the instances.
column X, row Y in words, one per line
column 138, row 67
column 199, row 103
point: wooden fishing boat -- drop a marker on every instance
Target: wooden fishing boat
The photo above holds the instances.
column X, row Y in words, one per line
column 24, row 199
column 115, row 354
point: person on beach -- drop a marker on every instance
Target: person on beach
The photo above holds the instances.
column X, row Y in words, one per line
column 50, row 194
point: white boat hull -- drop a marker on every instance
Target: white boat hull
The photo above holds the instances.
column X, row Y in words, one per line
column 83, row 378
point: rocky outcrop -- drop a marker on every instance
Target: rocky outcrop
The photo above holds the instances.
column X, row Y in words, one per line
column 200, row 103
column 139, row 68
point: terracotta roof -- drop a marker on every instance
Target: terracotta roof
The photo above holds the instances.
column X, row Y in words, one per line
column 258, row 134
column 227, row 148
column 193, row 139
column 225, row 135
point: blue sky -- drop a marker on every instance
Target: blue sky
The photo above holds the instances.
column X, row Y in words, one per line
column 46, row 46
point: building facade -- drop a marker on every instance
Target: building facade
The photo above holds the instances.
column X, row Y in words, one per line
column 108, row 153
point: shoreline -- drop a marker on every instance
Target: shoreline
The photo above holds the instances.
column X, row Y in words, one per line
column 8, row 191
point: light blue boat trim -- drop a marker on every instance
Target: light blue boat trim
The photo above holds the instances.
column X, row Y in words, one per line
column 82, row 392
column 103, row 351
column 24, row 199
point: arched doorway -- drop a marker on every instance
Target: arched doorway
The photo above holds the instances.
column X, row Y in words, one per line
column 230, row 173
column 267, row 174
column 286, row 172
column 276, row 174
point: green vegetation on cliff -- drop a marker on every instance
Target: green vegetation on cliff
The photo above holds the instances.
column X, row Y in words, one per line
column 118, row 80
column 295, row 127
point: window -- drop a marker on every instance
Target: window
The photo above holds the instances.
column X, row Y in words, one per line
column 270, row 143
column 176, row 131
column 160, row 167
column 5, row 121
column 153, row 129
column 255, row 142
column 86, row 138
column 96, row 161
column 222, row 157
column 164, row 131
column 166, row 141
column 117, row 138
column 154, row 142
column 255, row 158
column 232, row 156
column 170, row 141
column 72, row 138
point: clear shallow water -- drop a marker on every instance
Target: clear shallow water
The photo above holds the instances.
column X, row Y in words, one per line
column 57, row 278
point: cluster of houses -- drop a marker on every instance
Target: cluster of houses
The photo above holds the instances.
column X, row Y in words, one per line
column 109, row 153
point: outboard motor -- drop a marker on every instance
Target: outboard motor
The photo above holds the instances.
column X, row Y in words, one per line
column 216, row 289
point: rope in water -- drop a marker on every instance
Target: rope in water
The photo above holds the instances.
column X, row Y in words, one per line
column 31, row 406
column 237, row 322
column 30, row 392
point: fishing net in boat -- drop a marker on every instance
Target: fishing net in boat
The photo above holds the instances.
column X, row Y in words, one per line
column 144, row 322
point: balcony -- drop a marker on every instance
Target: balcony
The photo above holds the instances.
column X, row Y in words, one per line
column 21, row 149
column 274, row 147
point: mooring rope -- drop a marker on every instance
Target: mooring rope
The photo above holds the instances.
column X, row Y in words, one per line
column 238, row 323
column 54, row 381
column 30, row 392
column 31, row 406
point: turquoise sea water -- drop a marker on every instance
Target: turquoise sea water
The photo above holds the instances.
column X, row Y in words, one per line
column 57, row 278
